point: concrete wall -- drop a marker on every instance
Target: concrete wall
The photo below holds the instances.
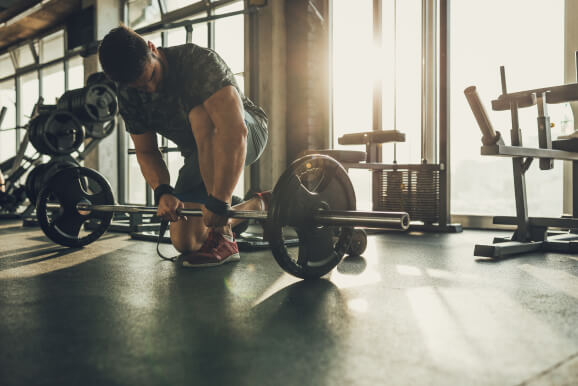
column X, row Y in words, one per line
column 272, row 89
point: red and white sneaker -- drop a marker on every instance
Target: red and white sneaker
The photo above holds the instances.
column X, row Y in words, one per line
column 216, row 250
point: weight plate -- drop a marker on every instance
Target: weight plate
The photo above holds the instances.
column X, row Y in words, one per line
column 96, row 103
column 100, row 130
column 358, row 242
column 56, row 133
column 100, row 103
column 34, row 182
column 63, row 222
column 310, row 183
column 43, row 172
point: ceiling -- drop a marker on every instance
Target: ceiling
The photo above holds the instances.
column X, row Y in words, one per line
column 23, row 19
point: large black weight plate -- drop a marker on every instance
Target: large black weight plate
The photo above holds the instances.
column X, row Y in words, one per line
column 67, row 188
column 34, row 182
column 56, row 133
column 310, row 183
column 43, row 172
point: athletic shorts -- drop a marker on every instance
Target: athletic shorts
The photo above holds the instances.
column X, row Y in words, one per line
column 187, row 189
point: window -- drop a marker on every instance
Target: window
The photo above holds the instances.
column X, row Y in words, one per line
column 171, row 5
column 135, row 184
column 155, row 38
column 484, row 185
column 52, row 47
column 353, row 95
column 408, row 67
column 200, row 36
column 75, row 73
column 52, row 83
column 27, row 100
column 6, row 66
column 7, row 132
column 24, row 56
column 143, row 12
column 24, row 89
column 230, row 38
column 201, row 32
column 230, row 45
column 359, row 65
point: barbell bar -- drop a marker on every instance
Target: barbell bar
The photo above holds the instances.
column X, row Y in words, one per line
column 390, row 220
column 314, row 197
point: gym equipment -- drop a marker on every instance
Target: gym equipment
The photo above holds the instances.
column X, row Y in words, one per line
column 358, row 242
column 532, row 232
column 421, row 189
column 15, row 194
column 43, row 172
column 314, row 196
column 95, row 103
column 56, row 133
column 100, row 130
column 12, row 200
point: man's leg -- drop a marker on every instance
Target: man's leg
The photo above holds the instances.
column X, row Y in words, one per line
column 204, row 130
column 190, row 234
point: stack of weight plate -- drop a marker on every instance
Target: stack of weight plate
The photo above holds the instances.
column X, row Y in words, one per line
column 415, row 190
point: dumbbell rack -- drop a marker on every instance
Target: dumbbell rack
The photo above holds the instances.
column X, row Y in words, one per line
column 532, row 233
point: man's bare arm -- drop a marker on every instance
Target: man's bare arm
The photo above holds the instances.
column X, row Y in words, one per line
column 155, row 172
column 225, row 109
column 150, row 159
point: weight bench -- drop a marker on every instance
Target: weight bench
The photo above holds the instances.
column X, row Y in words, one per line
column 411, row 188
column 371, row 140
column 532, row 233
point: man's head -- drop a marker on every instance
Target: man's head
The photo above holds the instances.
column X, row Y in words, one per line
column 128, row 59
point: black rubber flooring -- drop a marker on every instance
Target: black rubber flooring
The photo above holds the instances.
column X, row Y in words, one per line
column 416, row 309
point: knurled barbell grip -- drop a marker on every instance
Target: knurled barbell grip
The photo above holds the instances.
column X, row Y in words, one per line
column 395, row 220
column 246, row 214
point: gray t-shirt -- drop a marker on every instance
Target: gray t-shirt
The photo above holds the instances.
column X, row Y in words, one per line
column 194, row 74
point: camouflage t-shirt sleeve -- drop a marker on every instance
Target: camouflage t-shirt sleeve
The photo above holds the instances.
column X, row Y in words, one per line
column 130, row 113
column 204, row 73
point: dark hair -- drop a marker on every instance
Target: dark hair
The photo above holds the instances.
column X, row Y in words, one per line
column 123, row 54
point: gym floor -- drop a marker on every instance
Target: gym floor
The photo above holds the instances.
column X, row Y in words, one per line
column 416, row 309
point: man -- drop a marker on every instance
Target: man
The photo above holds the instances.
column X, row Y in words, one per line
column 189, row 95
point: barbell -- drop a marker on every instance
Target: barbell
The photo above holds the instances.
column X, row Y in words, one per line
column 314, row 196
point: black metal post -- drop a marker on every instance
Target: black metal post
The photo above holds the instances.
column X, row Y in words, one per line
column 444, row 114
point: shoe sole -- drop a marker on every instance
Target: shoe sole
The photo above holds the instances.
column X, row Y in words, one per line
column 231, row 259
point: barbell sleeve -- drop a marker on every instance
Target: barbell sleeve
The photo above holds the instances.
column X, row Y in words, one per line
column 390, row 220
column 489, row 135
